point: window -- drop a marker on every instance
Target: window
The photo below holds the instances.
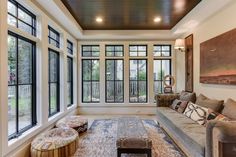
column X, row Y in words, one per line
column 114, row 80
column 162, row 66
column 54, row 37
column 21, row 85
column 90, row 51
column 54, row 82
column 90, row 83
column 21, row 18
column 69, row 47
column 69, row 81
column 138, row 81
column 138, row 50
column 114, row 50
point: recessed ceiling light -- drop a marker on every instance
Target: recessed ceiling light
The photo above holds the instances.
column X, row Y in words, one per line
column 99, row 19
column 157, row 19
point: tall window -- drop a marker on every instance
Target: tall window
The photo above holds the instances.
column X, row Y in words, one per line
column 90, row 74
column 53, row 37
column 69, row 73
column 21, row 85
column 138, row 81
column 54, row 82
column 21, row 18
column 162, row 66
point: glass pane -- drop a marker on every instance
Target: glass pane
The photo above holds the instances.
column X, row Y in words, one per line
column 95, row 70
column 157, row 87
column 110, row 91
column 53, row 35
column 53, row 98
column 11, row 8
column 142, row 91
column 119, row 69
column 24, row 27
column 12, row 58
column 69, row 94
column 133, row 51
column 24, row 16
column 157, row 70
column 25, row 103
column 11, row 110
column 110, row 73
column 110, row 48
column 142, row 70
column 119, row 53
column 133, row 70
column 86, row 54
column 11, row 20
column 166, row 67
column 119, row 91
column 119, row 48
column 95, row 91
column 133, row 91
column 69, row 69
column 86, row 91
column 142, row 51
column 53, row 66
column 54, row 43
column 95, row 51
column 24, row 62
column 87, row 69
column 86, row 48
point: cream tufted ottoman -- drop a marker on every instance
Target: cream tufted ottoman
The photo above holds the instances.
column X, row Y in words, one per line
column 58, row 142
column 75, row 122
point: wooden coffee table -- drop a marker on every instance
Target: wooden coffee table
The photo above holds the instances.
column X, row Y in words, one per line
column 132, row 137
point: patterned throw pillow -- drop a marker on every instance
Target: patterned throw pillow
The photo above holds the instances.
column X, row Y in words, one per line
column 182, row 106
column 196, row 113
column 175, row 104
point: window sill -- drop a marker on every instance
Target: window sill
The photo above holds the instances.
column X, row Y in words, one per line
column 117, row 105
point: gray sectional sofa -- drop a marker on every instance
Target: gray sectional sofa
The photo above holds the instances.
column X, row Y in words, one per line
column 216, row 139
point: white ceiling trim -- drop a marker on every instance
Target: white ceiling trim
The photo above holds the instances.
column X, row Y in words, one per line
column 199, row 14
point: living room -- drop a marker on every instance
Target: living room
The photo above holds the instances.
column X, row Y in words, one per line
column 88, row 78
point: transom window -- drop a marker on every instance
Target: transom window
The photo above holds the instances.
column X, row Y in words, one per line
column 21, row 18
column 54, row 37
column 162, row 50
column 69, row 81
column 138, row 81
column 54, row 82
column 21, row 85
column 90, row 51
column 69, row 47
column 114, row 50
column 138, row 50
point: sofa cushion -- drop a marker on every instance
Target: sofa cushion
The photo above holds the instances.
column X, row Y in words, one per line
column 230, row 109
column 175, row 104
column 196, row 113
column 187, row 133
column 214, row 104
column 187, row 96
column 182, row 106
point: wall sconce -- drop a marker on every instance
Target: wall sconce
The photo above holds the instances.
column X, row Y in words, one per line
column 180, row 45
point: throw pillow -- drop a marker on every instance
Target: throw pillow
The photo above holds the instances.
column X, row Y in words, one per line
column 182, row 106
column 221, row 117
column 187, row 96
column 230, row 109
column 214, row 104
column 196, row 113
column 175, row 104
column 211, row 114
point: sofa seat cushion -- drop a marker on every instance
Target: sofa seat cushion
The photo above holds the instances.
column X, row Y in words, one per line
column 185, row 131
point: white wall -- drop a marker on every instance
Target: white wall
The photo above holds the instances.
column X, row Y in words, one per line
column 220, row 23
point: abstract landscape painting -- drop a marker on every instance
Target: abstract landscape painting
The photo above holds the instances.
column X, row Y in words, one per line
column 218, row 59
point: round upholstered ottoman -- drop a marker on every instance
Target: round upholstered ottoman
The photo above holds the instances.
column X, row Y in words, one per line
column 75, row 122
column 58, row 142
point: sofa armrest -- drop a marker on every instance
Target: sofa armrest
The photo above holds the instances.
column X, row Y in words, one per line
column 165, row 100
column 220, row 139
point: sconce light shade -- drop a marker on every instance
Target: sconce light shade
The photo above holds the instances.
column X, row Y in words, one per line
column 180, row 44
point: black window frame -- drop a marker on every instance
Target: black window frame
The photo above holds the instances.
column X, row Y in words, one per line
column 137, row 59
column 33, row 89
column 91, row 51
column 138, row 50
column 114, row 81
column 91, row 81
column 162, row 50
column 19, row 6
column 70, row 81
column 54, row 82
column 114, row 52
column 57, row 40
column 162, row 77
column 69, row 48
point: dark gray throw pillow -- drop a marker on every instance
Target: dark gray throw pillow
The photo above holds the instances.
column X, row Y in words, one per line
column 175, row 104
column 215, row 105
column 187, row 96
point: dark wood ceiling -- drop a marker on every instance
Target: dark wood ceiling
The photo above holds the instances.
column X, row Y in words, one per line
column 129, row 14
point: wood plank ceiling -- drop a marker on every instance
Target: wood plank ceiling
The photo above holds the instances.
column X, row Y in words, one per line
column 129, row 14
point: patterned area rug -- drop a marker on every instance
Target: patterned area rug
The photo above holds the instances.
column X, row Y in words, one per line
column 100, row 141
